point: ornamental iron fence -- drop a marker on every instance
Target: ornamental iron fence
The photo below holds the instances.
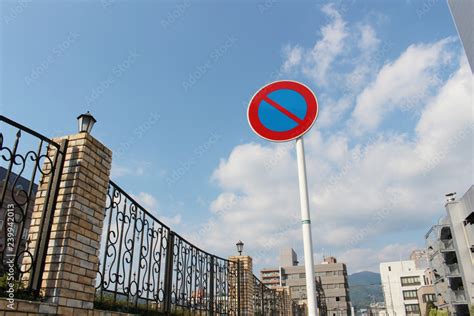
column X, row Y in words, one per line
column 28, row 160
column 267, row 301
column 144, row 266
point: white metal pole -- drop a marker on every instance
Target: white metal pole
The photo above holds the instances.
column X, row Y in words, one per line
column 306, row 223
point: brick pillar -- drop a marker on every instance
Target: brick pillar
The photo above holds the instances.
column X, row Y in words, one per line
column 246, row 284
column 285, row 301
column 72, row 258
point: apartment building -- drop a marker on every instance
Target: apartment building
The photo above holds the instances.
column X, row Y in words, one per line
column 376, row 309
column 401, row 281
column 450, row 246
column 271, row 276
column 331, row 282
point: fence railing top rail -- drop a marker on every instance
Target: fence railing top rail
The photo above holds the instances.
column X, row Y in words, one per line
column 28, row 130
column 200, row 250
column 138, row 205
column 143, row 209
column 256, row 279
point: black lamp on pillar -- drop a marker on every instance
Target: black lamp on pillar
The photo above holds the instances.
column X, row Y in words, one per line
column 240, row 247
column 85, row 122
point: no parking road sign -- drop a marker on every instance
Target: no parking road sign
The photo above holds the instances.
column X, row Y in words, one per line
column 282, row 111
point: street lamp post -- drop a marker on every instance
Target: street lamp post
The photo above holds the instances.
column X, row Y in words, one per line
column 240, row 247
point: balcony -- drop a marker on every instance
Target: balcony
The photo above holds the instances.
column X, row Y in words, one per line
column 452, row 269
column 437, row 277
column 458, row 296
column 446, row 245
column 439, row 239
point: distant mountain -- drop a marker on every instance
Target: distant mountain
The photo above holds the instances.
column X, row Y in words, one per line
column 365, row 288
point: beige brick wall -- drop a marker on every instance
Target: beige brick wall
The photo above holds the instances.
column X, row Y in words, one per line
column 246, row 284
column 285, row 302
column 72, row 257
column 29, row 308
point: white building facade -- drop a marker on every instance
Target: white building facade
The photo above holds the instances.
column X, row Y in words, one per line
column 462, row 11
column 400, row 282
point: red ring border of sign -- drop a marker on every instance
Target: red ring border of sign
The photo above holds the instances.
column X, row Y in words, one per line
column 268, row 134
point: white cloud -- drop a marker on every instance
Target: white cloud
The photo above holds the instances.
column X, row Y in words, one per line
column 368, row 38
column 171, row 221
column 119, row 171
column 293, row 57
column 367, row 60
column 358, row 191
column 406, row 82
column 333, row 110
column 320, row 58
column 148, row 201
column 316, row 62
column 448, row 113
column 359, row 51
column 368, row 259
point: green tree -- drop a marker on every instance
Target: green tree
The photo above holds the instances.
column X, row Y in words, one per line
column 429, row 307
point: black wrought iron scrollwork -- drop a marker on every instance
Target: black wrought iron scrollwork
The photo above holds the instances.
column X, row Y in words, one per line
column 143, row 265
column 146, row 266
column 133, row 254
column 269, row 301
column 258, row 288
column 23, row 166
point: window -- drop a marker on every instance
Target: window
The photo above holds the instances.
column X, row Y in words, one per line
column 302, row 275
column 389, row 268
column 410, row 295
column 428, row 298
column 333, row 286
column 337, row 299
column 329, row 273
column 412, row 309
column 414, row 280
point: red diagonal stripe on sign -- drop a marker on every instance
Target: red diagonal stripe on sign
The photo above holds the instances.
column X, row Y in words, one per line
column 283, row 110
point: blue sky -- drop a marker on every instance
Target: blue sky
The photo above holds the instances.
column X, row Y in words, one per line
column 169, row 83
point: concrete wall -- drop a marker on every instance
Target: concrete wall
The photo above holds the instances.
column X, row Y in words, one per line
column 29, row 308
column 463, row 239
column 462, row 11
column 335, row 299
